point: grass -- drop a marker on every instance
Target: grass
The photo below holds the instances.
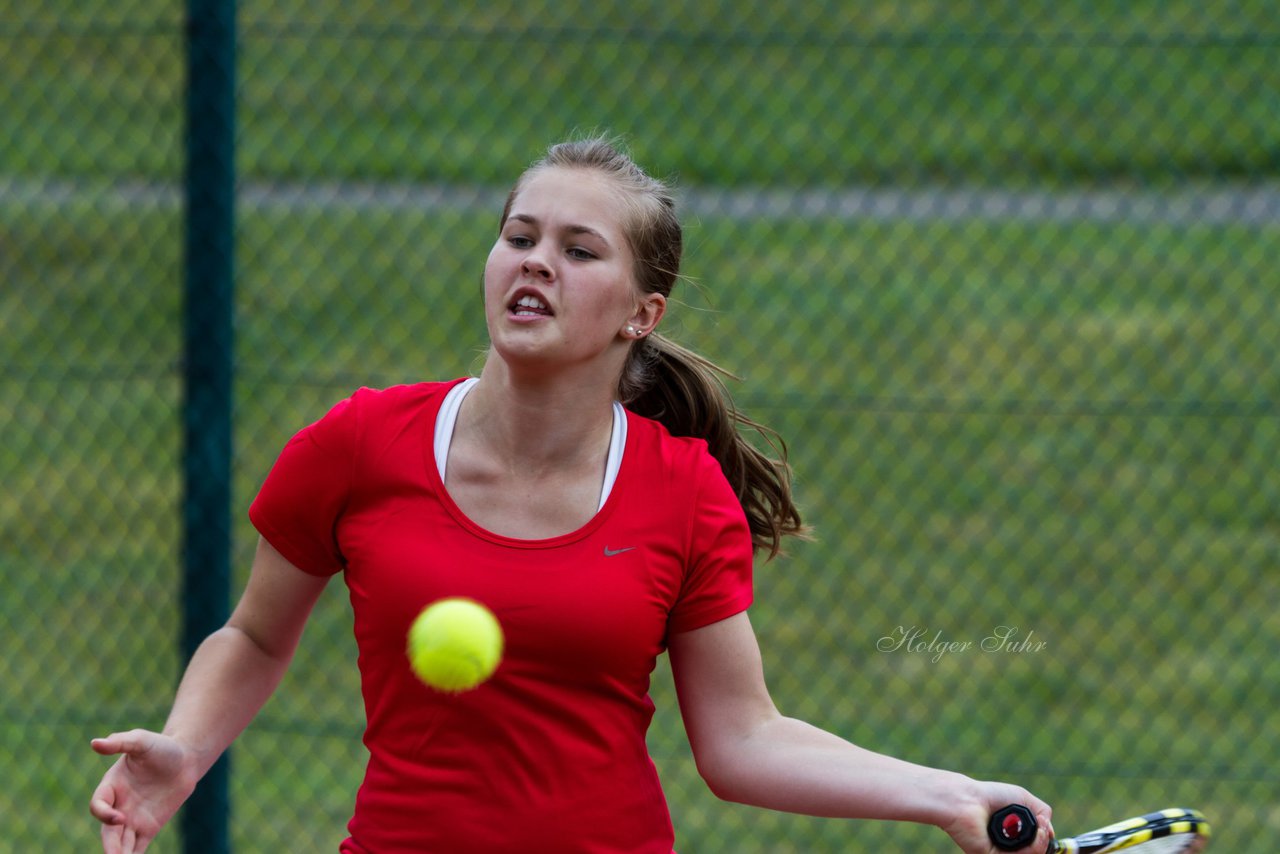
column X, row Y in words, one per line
column 1067, row 427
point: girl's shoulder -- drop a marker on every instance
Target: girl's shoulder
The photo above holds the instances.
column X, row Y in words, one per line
column 687, row 457
column 403, row 395
column 374, row 404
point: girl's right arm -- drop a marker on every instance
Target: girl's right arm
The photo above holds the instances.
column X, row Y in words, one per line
column 230, row 677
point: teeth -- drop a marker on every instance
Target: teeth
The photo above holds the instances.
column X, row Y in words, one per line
column 528, row 301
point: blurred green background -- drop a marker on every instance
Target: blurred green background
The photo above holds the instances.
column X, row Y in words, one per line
column 1004, row 275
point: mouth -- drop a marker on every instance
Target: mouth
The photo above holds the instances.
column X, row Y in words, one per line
column 529, row 305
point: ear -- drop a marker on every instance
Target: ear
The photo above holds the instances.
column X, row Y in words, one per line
column 645, row 318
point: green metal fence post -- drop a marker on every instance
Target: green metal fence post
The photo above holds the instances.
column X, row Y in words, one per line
column 210, row 198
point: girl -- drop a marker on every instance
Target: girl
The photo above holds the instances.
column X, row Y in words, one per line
column 591, row 488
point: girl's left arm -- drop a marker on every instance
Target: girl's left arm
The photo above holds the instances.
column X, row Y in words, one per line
column 748, row 752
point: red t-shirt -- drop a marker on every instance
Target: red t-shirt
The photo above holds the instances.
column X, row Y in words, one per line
column 548, row 755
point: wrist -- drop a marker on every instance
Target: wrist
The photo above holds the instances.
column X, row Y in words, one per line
column 954, row 797
column 193, row 756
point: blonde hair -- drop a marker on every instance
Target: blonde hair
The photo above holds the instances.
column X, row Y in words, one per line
column 669, row 383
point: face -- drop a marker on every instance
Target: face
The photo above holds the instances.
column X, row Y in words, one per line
column 559, row 284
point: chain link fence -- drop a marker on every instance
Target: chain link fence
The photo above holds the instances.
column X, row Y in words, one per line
column 1004, row 275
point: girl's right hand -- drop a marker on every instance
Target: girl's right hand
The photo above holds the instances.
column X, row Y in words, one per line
column 152, row 778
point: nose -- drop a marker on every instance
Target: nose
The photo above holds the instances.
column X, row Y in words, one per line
column 534, row 267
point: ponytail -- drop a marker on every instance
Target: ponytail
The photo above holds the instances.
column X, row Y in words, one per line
column 685, row 392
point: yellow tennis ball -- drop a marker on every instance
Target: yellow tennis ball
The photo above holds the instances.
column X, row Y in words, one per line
column 455, row 644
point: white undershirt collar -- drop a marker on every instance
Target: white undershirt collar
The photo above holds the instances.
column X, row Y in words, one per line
column 447, row 419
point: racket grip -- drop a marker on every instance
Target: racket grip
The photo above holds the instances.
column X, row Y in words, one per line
column 1012, row 827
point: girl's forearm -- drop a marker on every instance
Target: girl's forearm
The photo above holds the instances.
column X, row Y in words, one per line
column 786, row 764
column 225, row 684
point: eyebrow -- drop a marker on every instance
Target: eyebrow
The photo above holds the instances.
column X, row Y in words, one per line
column 572, row 229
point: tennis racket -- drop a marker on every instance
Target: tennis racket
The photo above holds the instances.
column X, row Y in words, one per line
column 1172, row 831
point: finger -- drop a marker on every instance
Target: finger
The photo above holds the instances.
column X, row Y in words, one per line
column 134, row 844
column 1044, row 838
column 1045, row 818
column 102, row 805
column 117, row 742
column 112, row 839
column 101, row 809
column 134, row 741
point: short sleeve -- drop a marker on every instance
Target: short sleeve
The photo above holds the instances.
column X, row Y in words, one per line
column 718, row 582
column 308, row 488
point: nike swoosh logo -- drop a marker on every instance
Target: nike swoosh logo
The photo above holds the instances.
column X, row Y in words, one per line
column 608, row 552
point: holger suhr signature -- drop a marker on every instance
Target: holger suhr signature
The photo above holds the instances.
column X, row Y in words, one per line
column 1005, row 639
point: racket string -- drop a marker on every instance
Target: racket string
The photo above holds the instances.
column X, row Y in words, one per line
column 1180, row 843
column 1183, row 843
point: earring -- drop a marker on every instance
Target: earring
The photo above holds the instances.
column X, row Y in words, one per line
column 631, row 330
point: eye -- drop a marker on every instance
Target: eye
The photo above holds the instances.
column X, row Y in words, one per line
column 580, row 254
column 520, row 241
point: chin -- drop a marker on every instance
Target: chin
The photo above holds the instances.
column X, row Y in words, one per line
column 522, row 350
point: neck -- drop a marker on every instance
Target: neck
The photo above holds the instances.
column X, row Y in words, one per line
column 536, row 423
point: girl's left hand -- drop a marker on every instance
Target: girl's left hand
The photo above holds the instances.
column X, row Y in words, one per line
column 969, row 828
